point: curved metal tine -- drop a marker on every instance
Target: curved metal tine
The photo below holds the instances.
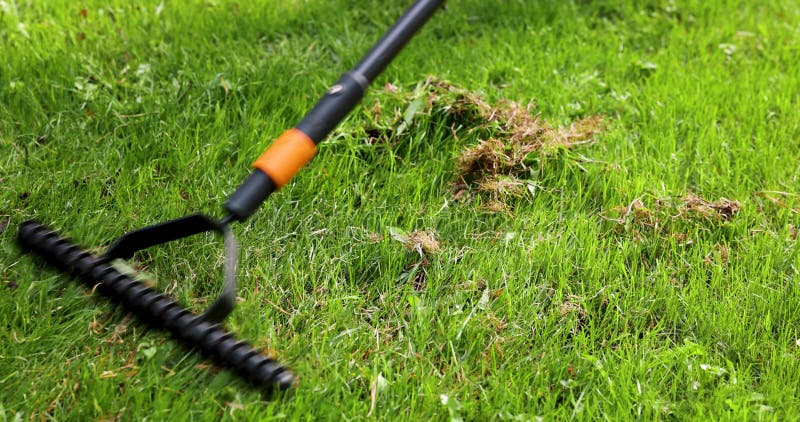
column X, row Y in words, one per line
column 226, row 300
column 128, row 244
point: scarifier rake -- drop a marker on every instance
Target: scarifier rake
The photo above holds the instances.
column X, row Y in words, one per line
column 272, row 170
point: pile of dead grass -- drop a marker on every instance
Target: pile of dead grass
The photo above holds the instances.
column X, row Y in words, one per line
column 504, row 136
column 509, row 135
column 520, row 134
column 671, row 215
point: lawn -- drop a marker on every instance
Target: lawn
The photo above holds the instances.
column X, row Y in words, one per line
column 579, row 209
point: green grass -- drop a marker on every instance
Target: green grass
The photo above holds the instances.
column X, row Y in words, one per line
column 123, row 116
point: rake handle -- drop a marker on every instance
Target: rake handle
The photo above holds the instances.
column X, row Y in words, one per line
column 154, row 308
column 295, row 147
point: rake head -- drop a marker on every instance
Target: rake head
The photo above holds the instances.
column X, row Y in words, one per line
column 154, row 308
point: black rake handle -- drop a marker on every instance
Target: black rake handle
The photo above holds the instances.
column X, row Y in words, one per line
column 295, row 147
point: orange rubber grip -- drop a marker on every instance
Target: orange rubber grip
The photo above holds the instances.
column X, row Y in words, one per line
column 286, row 156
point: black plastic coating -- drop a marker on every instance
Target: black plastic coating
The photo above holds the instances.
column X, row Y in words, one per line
column 340, row 99
column 155, row 308
column 396, row 38
column 249, row 195
column 343, row 96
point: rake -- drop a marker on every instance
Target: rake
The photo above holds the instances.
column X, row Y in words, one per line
column 272, row 170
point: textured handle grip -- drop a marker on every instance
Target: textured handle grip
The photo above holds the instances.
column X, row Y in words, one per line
column 155, row 308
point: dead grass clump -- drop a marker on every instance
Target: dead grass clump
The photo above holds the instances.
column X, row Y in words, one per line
column 513, row 127
column 500, row 186
column 495, row 206
column 670, row 216
column 572, row 307
column 487, row 157
column 418, row 240
column 516, row 134
column 422, row 240
column 568, row 307
column 424, row 243
column 519, row 135
column 723, row 208
column 506, row 134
